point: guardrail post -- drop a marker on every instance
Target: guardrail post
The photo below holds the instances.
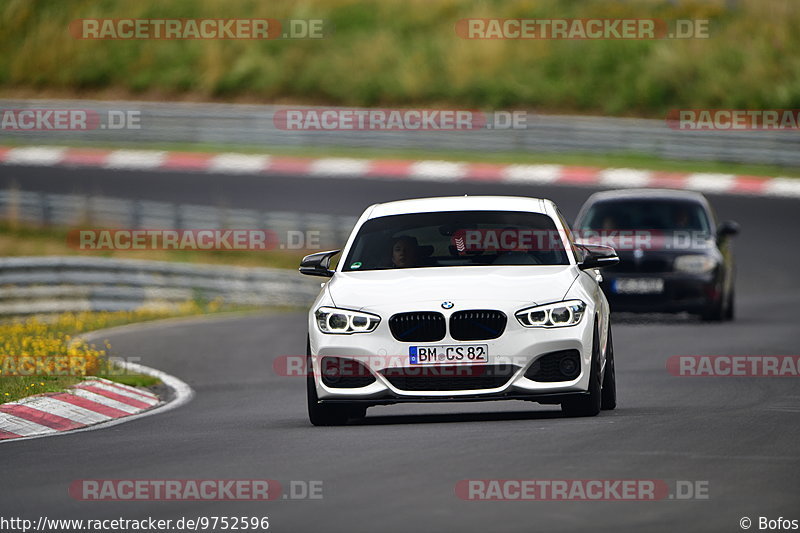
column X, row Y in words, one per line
column 13, row 206
column 91, row 210
column 45, row 210
column 136, row 214
column 178, row 214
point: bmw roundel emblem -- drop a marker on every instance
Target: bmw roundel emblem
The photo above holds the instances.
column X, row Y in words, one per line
column 447, row 305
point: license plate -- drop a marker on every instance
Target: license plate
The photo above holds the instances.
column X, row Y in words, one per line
column 638, row 286
column 449, row 354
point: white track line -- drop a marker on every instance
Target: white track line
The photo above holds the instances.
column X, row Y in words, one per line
column 137, row 392
column 23, row 427
column 339, row 167
column 66, row 410
column 783, row 187
column 531, row 173
column 624, row 177
column 231, row 163
column 437, row 170
column 117, row 390
column 35, row 155
column 102, row 400
column 710, row 182
column 135, row 159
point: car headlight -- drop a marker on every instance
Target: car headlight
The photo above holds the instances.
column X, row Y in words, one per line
column 344, row 321
column 555, row 315
column 695, row 264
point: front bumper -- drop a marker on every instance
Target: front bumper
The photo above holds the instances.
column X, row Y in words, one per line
column 682, row 292
column 515, row 351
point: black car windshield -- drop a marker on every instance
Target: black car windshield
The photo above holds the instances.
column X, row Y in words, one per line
column 664, row 215
column 456, row 238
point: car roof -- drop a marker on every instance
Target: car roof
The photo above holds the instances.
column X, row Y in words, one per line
column 647, row 194
column 460, row 203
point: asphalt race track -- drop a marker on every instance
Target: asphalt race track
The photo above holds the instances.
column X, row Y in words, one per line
column 398, row 469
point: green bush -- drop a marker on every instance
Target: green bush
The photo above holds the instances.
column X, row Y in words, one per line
column 406, row 53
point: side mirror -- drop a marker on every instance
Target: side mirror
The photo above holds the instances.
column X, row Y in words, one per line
column 596, row 256
column 318, row 264
column 729, row 228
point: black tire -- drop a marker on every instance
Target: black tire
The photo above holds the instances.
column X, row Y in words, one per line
column 588, row 404
column 357, row 411
column 608, row 399
column 730, row 311
column 321, row 414
column 715, row 312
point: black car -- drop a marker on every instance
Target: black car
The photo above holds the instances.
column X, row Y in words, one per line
column 673, row 255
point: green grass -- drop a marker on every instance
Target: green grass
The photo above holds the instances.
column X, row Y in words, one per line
column 132, row 379
column 19, row 241
column 18, row 387
column 59, row 337
column 15, row 388
column 406, row 52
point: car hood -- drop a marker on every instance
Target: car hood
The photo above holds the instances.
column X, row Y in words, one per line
column 522, row 284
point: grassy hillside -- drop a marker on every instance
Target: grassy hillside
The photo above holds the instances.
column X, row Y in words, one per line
column 393, row 52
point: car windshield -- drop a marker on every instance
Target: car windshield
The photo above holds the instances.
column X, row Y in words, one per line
column 456, row 238
column 653, row 214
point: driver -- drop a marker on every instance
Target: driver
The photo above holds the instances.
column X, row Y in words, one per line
column 405, row 252
column 683, row 218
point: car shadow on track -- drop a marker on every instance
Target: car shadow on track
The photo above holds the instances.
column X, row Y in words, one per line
column 447, row 418
column 654, row 319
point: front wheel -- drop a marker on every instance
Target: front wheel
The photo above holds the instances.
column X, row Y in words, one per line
column 730, row 312
column 715, row 310
column 588, row 404
column 609, row 392
column 321, row 414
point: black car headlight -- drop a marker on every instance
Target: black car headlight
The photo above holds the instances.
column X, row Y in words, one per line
column 695, row 264
column 554, row 315
column 345, row 321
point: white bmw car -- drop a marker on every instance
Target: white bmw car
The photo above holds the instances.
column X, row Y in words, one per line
column 459, row 299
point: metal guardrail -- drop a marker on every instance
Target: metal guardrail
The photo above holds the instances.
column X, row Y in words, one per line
column 252, row 125
column 70, row 210
column 34, row 285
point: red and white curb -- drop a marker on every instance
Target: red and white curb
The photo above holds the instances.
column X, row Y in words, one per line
column 442, row 171
column 91, row 404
